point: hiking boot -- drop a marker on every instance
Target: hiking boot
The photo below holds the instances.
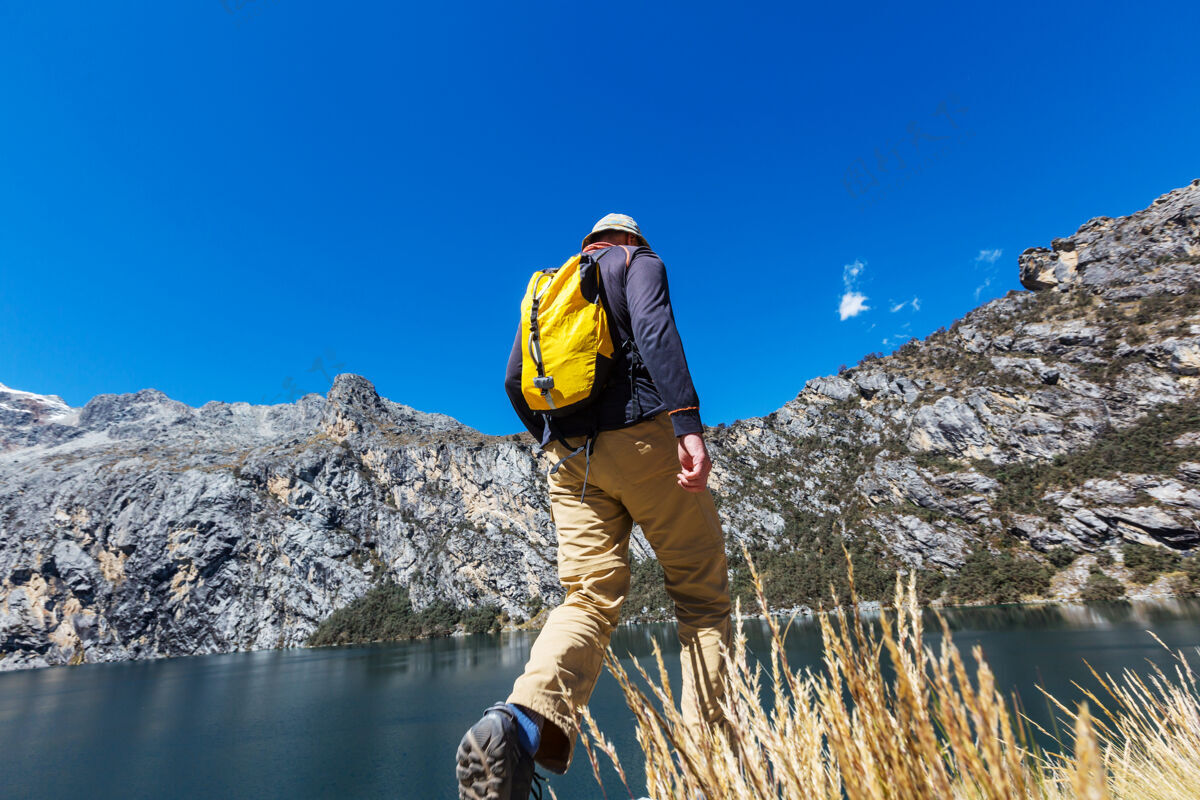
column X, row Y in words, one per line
column 492, row 765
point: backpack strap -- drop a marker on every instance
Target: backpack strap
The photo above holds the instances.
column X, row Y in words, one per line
column 599, row 274
column 629, row 345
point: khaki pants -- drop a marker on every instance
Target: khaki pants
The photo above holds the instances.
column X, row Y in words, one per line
column 632, row 478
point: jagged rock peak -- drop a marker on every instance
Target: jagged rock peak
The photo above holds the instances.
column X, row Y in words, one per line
column 355, row 392
column 1148, row 252
column 116, row 413
column 354, row 406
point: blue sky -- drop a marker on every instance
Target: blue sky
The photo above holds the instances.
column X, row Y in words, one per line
column 232, row 199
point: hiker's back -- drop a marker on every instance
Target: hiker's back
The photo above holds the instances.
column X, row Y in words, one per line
column 629, row 394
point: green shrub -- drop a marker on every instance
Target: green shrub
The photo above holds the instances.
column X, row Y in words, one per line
column 482, row 619
column 534, row 606
column 385, row 613
column 1157, row 307
column 997, row 578
column 930, row 585
column 438, row 619
column 1145, row 563
column 1181, row 585
column 1191, row 569
column 811, row 570
column 1105, row 559
column 1142, row 447
column 1061, row 557
column 1102, row 588
column 647, row 591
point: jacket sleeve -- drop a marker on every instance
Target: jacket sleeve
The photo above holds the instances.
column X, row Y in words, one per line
column 658, row 341
column 512, row 385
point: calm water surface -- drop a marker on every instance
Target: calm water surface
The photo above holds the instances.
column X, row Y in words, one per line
column 383, row 721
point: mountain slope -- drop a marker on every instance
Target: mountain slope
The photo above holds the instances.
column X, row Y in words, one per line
column 934, row 451
column 138, row 527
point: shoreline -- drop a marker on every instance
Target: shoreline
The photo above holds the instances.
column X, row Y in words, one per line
column 867, row 607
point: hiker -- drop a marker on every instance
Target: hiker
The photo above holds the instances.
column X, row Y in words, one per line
column 633, row 453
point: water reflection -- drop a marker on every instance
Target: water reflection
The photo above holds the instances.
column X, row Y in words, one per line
column 384, row 720
column 1146, row 613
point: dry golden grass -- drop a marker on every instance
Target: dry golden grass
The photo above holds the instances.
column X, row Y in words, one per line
column 928, row 730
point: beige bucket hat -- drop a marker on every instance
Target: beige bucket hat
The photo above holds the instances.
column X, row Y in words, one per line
column 615, row 222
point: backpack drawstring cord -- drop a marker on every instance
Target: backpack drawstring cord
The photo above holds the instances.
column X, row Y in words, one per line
column 586, row 449
column 587, row 470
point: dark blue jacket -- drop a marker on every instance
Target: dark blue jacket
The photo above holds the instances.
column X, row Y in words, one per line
column 639, row 309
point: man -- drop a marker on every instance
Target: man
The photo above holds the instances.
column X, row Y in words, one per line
column 647, row 463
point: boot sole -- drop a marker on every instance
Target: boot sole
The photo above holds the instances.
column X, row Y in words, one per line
column 482, row 775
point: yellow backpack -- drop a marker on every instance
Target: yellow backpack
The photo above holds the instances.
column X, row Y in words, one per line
column 568, row 348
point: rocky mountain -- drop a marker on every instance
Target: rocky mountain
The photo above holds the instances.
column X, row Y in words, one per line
column 1109, row 333
column 1065, row 416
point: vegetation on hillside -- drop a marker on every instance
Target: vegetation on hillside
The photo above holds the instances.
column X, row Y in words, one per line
column 801, row 574
column 1146, row 563
column 987, row 577
column 1101, row 587
column 804, row 572
column 1142, row 448
column 1061, row 557
column 648, row 600
column 385, row 613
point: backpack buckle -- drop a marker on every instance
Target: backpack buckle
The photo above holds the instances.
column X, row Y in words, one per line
column 544, row 382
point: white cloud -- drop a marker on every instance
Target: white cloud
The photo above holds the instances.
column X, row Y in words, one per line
column 915, row 303
column 853, row 304
column 850, row 273
column 985, row 263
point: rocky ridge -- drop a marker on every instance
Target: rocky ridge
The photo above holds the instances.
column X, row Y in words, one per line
column 138, row 527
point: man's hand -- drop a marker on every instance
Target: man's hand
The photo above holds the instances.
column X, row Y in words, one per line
column 693, row 459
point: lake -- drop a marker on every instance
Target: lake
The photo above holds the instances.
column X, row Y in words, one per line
column 384, row 720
